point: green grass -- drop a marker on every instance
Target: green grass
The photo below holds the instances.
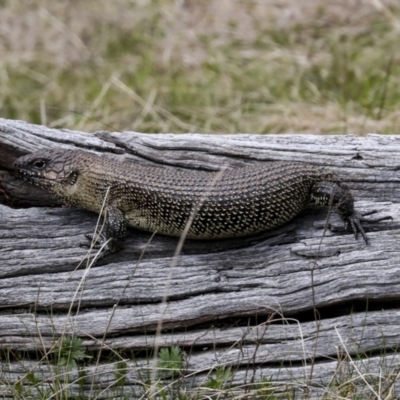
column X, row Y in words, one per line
column 124, row 378
column 204, row 66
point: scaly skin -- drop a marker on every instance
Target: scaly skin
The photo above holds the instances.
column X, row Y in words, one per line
column 235, row 202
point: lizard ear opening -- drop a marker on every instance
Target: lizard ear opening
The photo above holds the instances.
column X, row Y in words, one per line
column 72, row 177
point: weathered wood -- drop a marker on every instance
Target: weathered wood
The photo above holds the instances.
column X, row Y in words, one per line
column 277, row 340
column 284, row 272
column 262, row 276
column 302, row 381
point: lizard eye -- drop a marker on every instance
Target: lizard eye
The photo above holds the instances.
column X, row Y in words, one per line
column 39, row 164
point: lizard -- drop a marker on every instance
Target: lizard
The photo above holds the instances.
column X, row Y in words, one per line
column 242, row 201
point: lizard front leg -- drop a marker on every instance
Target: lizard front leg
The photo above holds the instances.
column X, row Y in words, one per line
column 115, row 228
column 114, row 232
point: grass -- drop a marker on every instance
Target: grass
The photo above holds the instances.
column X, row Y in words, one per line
column 202, row 65
column 128, row 376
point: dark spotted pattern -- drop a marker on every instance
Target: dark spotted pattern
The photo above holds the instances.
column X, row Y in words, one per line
column 236, row 202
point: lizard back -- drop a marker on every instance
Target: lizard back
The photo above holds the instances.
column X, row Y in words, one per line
column 230, row 203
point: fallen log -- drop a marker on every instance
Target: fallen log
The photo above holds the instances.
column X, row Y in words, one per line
column 292, row 297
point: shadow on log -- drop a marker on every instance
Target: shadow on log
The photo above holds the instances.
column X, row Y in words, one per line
column 293, row 306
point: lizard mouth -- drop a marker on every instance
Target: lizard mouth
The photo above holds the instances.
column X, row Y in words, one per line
column 34, row 178
column 44, row 181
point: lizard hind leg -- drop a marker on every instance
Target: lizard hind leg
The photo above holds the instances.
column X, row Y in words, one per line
column 338, row 197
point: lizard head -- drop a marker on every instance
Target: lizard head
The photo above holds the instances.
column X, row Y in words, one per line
column 52, row 170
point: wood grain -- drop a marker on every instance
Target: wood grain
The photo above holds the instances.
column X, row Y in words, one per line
column 48, row 289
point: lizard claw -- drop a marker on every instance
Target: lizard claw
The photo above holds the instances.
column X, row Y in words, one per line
column 362, row 217
column 94, row 242
column 97, row 242
column 354, row 221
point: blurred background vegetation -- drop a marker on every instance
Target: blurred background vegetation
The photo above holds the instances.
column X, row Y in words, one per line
column 222, row 66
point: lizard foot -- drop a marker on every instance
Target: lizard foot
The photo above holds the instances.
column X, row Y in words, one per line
column 354, row 222
column 97, row 242
column 363, row 215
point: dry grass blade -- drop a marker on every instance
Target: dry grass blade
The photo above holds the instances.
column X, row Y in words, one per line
column 207, row 66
